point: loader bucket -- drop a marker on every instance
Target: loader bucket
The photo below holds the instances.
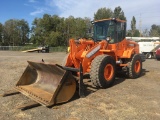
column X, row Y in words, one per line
column 47, row 84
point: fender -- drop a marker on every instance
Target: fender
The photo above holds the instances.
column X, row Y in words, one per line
column 128, row 53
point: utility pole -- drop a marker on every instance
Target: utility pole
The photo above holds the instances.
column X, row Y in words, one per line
column 140, row 26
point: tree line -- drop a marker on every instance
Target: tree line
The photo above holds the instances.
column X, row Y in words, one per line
column 14, row 32
column 53, row 30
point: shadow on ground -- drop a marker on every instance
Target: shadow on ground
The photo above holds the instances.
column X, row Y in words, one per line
column 89, row 88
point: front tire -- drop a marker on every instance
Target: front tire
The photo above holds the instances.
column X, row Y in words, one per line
column 103, row 71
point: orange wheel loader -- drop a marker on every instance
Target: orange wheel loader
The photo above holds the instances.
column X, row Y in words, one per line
column 100, row 57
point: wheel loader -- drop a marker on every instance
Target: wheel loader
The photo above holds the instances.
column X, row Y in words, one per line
column 101, row 56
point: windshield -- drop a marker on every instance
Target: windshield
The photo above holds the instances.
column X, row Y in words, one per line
column 101, row 30
column 113, row 29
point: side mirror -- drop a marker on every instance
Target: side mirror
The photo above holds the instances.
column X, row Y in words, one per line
column 92, row 22
column 108, row 38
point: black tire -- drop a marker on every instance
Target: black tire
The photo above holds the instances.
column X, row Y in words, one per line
column 148, row 55
column 98, row 67
column 158, row 59
column 135, row 66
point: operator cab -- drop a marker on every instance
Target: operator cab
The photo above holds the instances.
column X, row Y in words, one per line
column 113, row 30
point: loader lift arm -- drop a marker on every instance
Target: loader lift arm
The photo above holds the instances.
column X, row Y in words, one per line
column 81, row 83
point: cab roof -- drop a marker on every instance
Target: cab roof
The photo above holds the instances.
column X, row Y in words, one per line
column 110, row 19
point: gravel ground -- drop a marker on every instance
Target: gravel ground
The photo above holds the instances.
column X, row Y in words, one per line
column 127, row 99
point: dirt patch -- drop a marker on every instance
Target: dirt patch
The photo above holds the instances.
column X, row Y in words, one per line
column 126, row 99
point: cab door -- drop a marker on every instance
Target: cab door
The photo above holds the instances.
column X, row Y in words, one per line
column 120, row 37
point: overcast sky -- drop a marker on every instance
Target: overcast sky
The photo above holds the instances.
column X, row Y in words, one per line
column 146, row 11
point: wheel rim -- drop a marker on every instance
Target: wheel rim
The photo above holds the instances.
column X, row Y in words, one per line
column 137, row 66
column 108, row 72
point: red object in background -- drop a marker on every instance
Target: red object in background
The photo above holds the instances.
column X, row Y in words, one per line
column 158, row 54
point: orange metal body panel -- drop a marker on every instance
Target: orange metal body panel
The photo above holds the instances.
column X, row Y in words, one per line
column 80, row 51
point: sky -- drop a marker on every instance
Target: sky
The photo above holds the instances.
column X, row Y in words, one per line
column 146, row 12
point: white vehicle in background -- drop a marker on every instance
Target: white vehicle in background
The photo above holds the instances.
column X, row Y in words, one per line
column 149, row 48
column 147, row 45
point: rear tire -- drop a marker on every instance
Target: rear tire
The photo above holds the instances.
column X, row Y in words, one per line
column 135, row 66
column 103, row 71
column 148, row 55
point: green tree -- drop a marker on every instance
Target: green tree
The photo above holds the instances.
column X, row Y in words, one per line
column 56, row 31
column 1, row 33
column 23, row 31
column 76, row 28
column 15, row 32
column 9, row 31
column 37, row 32
column 45, row 28
column 136, row 33
column 118, row 13
column 146, row 33
column 129, row 33
column 54, row 39
column 133, row 25
column 103, row 13
column 155, row 31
